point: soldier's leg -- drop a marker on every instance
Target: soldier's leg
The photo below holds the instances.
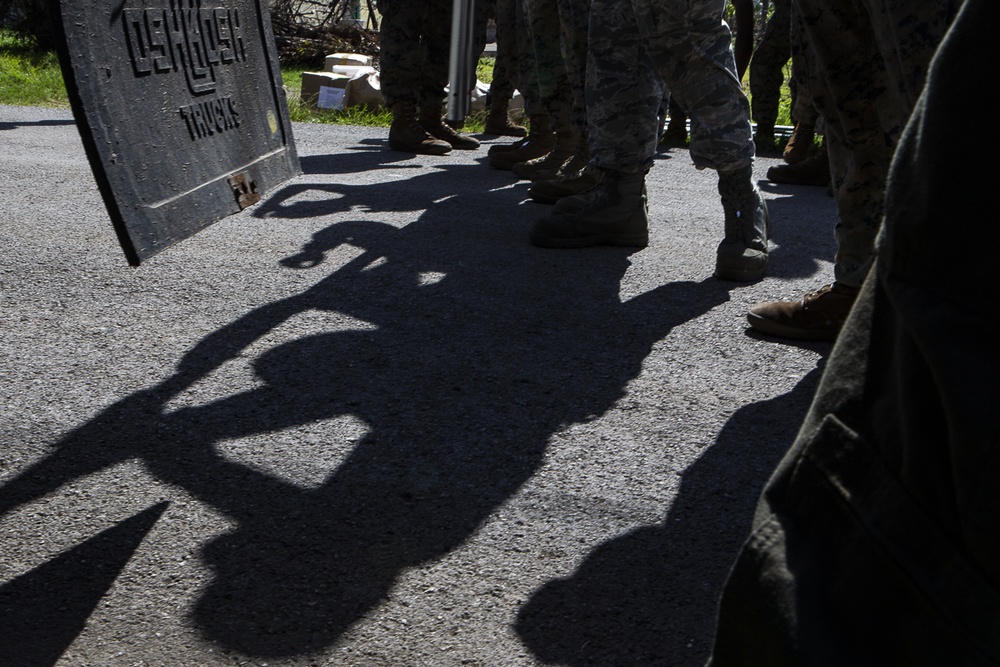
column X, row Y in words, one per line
column 436, row 40
column 402, row 76
column 873, row 542
column 622, row 100
column 402, row 53
column 871, row 58
column 691, row 48
column 541, row 137
column 554, row 88
column 804, row 114
column 767, row 73
column 505, row 67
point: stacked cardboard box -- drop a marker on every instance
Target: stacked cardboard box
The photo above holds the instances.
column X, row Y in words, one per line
column 347, row 79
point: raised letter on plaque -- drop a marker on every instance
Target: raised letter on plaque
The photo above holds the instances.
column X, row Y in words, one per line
column 181, row 110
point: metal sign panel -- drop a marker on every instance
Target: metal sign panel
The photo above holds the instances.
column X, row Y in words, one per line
column 181, row 109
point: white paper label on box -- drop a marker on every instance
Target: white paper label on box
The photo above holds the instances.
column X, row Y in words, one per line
column 330, row 98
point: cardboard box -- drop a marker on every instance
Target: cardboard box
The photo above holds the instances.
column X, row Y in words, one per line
column 324, row 90
column 365, row 90
column 346, row 60
column 353, row 71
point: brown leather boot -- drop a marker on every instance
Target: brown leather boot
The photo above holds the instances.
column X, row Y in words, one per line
column 498, row 121
column 433, row 122
column 406, row 135
column 799, row 144
column 812, row 171
column 540, row 140
column 818, row 315
column 568, row 185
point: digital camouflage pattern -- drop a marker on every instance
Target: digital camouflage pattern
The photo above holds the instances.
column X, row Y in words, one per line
column 685, row 44
column 549, row 69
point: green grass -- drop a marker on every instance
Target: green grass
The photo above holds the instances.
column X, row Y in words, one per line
column 28, row 76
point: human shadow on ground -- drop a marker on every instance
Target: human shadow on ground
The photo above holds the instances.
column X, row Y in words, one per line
column 802, row 224
column 472, row 349
column 650, row 597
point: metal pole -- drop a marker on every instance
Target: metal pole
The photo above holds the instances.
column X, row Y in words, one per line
column 460, row 68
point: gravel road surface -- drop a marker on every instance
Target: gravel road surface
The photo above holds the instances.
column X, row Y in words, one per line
column 365, row 423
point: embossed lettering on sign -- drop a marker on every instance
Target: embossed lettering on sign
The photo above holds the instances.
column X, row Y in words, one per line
column 184, row 37
column 210, row 117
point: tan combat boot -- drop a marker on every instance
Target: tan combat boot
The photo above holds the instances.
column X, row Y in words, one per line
column 432, row 121
column 498, row 121
column 613, row 213
column 540, row 140
column 799, row 144
column 406, row 135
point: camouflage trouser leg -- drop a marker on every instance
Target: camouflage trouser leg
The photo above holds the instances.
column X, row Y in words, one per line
column 550, row 69
column 623, row 92
column 691, row 48
column 415, row 48
column 767, row 67
column 573, row 19
column 505, row 67
column 684, row 45
column 871, row 58
column 874, row 541
column 803, row 104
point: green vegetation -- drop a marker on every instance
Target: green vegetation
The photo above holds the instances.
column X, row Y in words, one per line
column 300, row 112
column 29, row 76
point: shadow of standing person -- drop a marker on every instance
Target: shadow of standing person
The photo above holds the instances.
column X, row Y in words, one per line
column 649, row 596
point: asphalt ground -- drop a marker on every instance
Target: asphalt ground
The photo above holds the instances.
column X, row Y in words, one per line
column 366, row 423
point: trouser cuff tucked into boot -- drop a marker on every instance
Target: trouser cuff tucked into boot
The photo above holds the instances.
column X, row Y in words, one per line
column 742, row 255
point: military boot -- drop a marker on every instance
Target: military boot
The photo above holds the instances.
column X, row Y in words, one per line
column 550, row 165
column 799, row 144
column 540, row 140
column 537, row 124
column 742, row 255
column 433, row 123
column 406, row 135
column 814, row 170
column 614, row 214
column 498, row 121
column 496, row 149
column 569, row 185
